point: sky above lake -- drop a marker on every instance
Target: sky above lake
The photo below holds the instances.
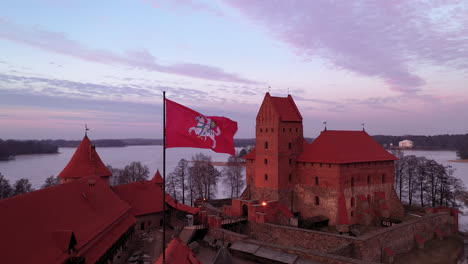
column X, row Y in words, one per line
column 399, row 66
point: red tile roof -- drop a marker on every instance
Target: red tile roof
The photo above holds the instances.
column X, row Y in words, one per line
column 180, row 206
column 157, row 178
column 344, row 147
column 250, row 155
column 178, row 253
column 85, row 162
column 145, row 197
column 286, row 108
column 36, row 227
column 285, row 211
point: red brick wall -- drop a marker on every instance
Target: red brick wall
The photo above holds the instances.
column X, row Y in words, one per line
column 369, row 247
column 285, row 143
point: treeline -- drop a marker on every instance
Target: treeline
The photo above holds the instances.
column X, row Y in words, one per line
column 446, row 142
column 9, row 148
column 98, row 143
column 427, row 183
column 19, row 187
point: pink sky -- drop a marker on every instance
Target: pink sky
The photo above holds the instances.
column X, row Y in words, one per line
column 398, row 66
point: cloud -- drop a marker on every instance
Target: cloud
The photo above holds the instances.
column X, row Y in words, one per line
column 141, row 59
column 195, row 5
column 381, row 39
column 139, row 92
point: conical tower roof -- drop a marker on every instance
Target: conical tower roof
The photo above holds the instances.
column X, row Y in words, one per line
column 85, row 162
column 157, row 178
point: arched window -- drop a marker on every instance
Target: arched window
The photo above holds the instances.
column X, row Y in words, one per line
column 317, row 200
column 368, row 179
column 290, row 145
column 383, row 178
column 284, row 129
column 316, row 180
column 266, row 161
column 297, row 130
column 352, row 201
column 266, row 177
column 266, row 129
column 261, row 130
column 290, row 176
column 352, row 181
column 290, row 129
column 272, row 130
column 266, row 144
column 290, row 161
column 352, row 214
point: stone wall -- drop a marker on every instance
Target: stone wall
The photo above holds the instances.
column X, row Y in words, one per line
column 225, row 235
column 369, row 247
column 401, row 238
column 296, row 237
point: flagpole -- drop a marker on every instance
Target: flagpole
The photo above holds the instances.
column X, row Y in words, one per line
column 164, row 178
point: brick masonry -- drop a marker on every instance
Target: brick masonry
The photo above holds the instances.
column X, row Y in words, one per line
column 369, row 247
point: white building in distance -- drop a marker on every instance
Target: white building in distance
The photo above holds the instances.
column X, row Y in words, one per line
column 406, row 144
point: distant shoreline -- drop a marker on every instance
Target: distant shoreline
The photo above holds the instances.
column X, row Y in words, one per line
column 459, row 161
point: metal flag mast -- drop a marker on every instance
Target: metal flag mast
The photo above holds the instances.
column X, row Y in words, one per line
column 164, row 179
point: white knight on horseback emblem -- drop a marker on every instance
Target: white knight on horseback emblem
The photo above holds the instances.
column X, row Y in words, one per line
column 206, row 128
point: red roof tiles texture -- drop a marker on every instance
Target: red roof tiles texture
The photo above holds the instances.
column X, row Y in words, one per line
column 85, row 162
column 286, row 108
column 32, row 224
column 344, row 147
column 144, row 197
column 178, row 253
column 250, row 155
column 180, row 206
column 157, row 178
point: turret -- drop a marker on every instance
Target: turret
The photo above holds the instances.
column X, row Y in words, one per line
column 84, row 163
column 279, row 141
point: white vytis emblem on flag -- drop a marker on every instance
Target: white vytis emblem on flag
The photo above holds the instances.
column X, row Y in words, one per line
column 206, row 128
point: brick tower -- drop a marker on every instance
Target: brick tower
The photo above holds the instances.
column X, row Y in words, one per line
column 279, row 141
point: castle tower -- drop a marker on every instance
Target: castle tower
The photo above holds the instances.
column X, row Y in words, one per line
column 279, row 141
column 84, row 163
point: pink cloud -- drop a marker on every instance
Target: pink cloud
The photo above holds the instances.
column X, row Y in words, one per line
column 374, row 38
column 142, row 59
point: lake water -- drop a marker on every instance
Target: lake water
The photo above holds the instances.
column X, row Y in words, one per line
column 38, row 167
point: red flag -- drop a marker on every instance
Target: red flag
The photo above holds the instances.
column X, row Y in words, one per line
column 188, row 128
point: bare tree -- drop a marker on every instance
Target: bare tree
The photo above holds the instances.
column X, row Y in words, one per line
column 116, row 175
column 399, row 170
column 22, row 186
column 203, row 177
column 233, row 175
column 171, row 186
column 421, row 177
column 5, row 188
column 410, row 175
column 51, row 181
column 133, row 172
column 179, row 176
